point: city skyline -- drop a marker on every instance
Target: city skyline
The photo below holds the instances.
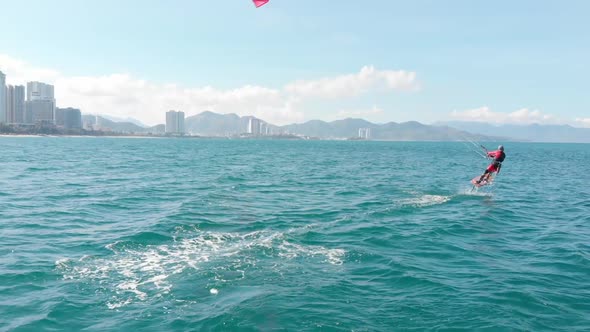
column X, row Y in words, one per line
column 36, row 105
column 40, row 110
column 291, row 62
column 482, row 114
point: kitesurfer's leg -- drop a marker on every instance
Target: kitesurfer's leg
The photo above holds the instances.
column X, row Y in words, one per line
column 482, row 176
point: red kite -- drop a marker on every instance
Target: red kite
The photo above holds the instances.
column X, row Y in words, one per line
column 259, row 3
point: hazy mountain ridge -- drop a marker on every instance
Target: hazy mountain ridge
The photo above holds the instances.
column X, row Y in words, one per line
column 223, row 125
column 213, row 124
column 127, row 119
column 531, row 132
column 407, row 131
column 102, row 123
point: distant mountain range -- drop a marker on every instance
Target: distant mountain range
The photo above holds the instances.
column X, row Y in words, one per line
column 127, row 119
column 407, row 131
column 103, row 123
column 533, row 132
column 214, row 124
column 221, row 125
column 224, row 125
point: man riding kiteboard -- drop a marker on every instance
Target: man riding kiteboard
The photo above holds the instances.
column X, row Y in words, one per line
column 496, row 164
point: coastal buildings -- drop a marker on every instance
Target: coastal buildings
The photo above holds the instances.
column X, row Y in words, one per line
column 87, row 125
column 40, row 105
column 68, row 118
column 365, row 133
column 15, row 104
column 257, row 127
column 264, row 129
column 3, row 100
column 174, row 122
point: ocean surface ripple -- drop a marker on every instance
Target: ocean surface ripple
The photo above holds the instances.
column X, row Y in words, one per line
column 114, row 234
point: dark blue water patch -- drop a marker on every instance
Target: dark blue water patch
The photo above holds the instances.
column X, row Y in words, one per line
column 31, row 280
column 40, row 169
column 149, row 237
column 140, row 239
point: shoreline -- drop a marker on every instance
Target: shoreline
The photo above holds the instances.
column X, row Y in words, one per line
column 248, row 138
column 77, row 136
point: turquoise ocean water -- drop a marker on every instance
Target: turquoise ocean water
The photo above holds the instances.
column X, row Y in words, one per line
column 101, row 234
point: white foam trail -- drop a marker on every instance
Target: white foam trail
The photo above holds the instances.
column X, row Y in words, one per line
column 144, row 271
column 425, row 200
column 131, row 286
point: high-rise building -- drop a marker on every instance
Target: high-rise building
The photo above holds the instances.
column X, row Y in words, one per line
column 40, row 91
column 174, row 122
column 254, row 126
column 68, row 118
column 3, row 100
column 88, row 125
column 60, row 116
column 263, row 128
column 9, row 115
column 15, row 105
column 40, row 106
column 40, row 111
column 97, row 123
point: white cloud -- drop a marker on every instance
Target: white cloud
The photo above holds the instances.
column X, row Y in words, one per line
column 122, row 96
column 20, row 72
column 360, row 113
column 521, row 116
column 354, row 84
column 584, row 122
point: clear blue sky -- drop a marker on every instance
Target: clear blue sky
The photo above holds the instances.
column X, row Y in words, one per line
column 506, row 55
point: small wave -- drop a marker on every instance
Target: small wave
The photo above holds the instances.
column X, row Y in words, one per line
column 40, row 169
column 116, row 303
column 62, row 263
column 425, row 200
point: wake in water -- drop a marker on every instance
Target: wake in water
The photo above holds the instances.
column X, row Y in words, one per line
column 140, row 272
column 470, row 191
column 424, row 200
column 427, row 200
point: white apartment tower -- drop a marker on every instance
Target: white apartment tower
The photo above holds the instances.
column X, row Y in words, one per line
column 365, row 133
column 174, row 122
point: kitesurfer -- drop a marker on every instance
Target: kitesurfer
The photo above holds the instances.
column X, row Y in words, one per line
column 496, row 164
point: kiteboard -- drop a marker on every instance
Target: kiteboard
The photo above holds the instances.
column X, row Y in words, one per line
column 484, row 182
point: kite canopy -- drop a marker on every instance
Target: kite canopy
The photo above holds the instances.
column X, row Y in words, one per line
column 259, row 3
